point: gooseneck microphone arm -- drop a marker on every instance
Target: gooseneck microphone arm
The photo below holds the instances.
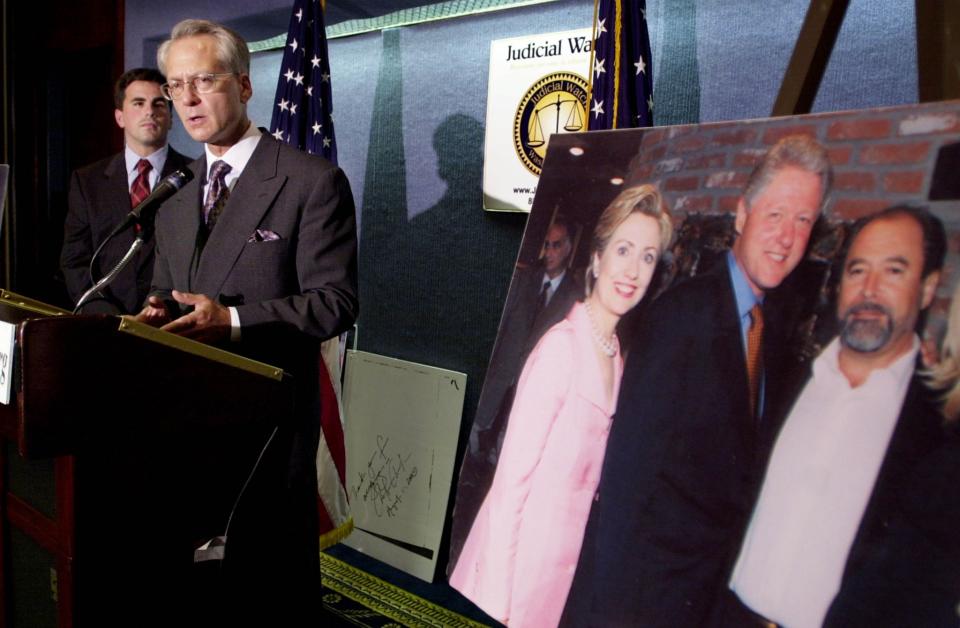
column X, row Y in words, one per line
column 142, row 216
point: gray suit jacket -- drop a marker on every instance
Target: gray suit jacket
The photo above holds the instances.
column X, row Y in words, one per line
column 284, row 254
column 305, row 280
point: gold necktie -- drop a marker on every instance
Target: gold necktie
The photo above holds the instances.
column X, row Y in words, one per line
column 755, row 355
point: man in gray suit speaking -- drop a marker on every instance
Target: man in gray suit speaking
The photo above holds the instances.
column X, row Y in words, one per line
column 257, row 254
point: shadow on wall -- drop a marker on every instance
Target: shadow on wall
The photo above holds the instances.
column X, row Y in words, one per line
column 433, row 286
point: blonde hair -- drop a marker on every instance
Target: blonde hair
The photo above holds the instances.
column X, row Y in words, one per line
column 639, row 199
column 945, row 375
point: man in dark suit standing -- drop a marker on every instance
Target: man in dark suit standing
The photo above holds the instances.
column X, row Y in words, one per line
column 541, row 298
column 856, row 521
column 686, row 445
column 102, row 194
column 257, row 254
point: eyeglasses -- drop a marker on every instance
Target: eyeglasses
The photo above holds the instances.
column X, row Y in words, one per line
column 202, row 83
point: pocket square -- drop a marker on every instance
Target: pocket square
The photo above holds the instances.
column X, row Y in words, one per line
column 263, row 235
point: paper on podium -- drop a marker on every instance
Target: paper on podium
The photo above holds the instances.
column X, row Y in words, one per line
column 402, row 424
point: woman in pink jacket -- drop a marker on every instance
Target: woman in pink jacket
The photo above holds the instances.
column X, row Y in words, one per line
column 518, row 561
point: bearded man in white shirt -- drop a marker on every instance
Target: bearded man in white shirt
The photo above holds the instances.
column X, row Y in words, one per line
column 846, row 530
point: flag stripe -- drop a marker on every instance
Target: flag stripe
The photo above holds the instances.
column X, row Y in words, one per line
column 303, row 117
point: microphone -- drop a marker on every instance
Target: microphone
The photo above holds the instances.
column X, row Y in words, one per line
column 144, row 213
column 141, row 217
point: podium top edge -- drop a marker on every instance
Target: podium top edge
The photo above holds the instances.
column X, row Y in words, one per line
column 31, row 305
column 130, row 326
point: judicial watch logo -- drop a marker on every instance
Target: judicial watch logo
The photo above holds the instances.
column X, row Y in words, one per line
column 557, row 103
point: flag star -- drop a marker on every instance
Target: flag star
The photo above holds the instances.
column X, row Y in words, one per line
column 331, row 117
column 309, row 90
column 298, row 79
column 640, row 65
column 325, row 77
column 643, row 12
column 316, row 128
column 601, row 29
column 299, row 15
column 283, row 104
column 278, row 134
column 294, row 45
column 315, row 62
column 293, row 109
column 326, row 142
column 650, row 103
column 598, row 67
column 289, row 75
column 597, row 109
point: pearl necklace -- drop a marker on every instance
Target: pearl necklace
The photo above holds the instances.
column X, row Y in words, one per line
column 607, row 345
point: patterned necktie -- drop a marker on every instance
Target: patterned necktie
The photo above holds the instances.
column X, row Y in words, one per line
column 217, row 193
column 755, row 355
column 543, row 300
column 141, row 185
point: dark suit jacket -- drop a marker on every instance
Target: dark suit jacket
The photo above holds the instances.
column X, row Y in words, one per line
column 99, row 200
column 521, row 327
column 682, row 466
column 520, row 330
column 292, row 289
column 904, row 565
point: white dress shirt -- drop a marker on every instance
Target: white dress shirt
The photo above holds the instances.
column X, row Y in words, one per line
column 157, row 159
column 817, row 485
column 236, row 157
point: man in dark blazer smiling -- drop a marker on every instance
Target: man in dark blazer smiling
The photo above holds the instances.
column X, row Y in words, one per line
column 856, row 521
column 257, row 254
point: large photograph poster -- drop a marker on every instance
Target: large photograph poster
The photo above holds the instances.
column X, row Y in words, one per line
column 794, row 462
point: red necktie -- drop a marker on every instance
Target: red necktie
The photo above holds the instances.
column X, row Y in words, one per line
column 141, row 185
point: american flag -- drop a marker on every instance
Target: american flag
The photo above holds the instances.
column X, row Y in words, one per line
column 303, row 117
column 303, row 107
column 621, row 79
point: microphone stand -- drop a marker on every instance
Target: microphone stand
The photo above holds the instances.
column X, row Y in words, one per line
column 110, row 276
column 141, row 218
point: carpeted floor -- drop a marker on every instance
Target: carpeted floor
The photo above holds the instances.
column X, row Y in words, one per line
column 354, row 597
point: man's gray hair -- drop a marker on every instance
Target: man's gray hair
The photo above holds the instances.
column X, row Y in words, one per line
column 232, row 51
column 797, row 151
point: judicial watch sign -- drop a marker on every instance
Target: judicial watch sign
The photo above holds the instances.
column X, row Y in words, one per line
column 537, row 88
column 555, row 103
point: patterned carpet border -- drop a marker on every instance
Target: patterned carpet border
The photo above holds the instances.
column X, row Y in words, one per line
column 383, row 599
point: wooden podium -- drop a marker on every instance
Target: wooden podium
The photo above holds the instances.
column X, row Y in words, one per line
column 125, row 438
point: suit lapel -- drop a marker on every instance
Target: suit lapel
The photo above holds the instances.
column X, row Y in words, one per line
column 182, row 243
column 249, row 200
column 117, row 197
column 917, row 433
column 174, row 161
column 729, row 342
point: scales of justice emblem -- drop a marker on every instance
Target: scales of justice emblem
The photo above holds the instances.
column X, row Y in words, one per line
column 556, row 103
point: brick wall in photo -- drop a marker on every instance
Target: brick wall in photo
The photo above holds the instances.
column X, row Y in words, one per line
column 880, row 157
